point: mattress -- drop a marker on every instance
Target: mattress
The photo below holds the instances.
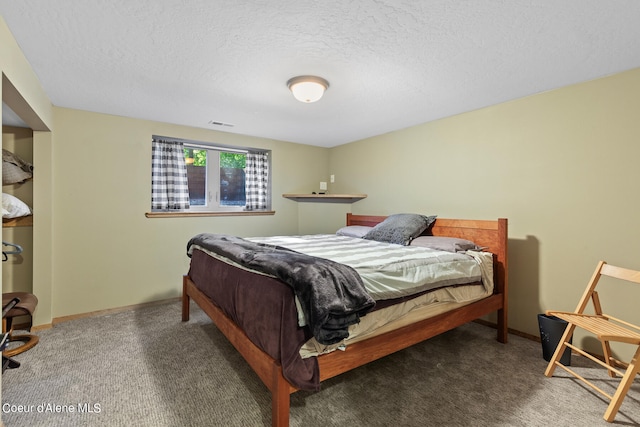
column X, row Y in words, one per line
column 388, row 271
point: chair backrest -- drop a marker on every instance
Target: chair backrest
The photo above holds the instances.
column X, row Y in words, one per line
column 621, row 273
column 604, row 269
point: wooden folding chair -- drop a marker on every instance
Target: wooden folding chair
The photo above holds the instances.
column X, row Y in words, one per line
column 606, row 328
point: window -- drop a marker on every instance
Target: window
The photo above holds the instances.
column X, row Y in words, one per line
column 216, row 179
column 220, row 179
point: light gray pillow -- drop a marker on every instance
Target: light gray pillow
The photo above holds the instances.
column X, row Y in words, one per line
column 354, row 231
column 400, row 228
column 448, row 244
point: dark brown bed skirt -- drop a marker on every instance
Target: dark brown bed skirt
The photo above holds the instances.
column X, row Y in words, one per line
column 264, row 308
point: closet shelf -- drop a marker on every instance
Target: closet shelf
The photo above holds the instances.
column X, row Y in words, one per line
column 23, row 221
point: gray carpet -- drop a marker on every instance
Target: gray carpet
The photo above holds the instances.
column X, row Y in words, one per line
column 145, row 367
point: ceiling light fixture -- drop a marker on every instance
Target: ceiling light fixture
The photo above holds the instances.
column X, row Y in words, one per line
column 307, row 88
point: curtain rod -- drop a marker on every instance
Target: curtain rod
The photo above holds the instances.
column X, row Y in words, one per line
column 202, row 145
column 214, row 147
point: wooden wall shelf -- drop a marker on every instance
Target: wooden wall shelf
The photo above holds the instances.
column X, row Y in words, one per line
column 326, row 198
column 23, row 221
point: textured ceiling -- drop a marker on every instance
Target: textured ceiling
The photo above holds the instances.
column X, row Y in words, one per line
column 391, row 63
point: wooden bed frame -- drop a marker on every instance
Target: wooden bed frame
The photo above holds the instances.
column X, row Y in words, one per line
column 489, row 234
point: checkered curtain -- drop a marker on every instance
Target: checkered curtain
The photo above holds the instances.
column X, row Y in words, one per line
column 256, row 180
column 169, row 186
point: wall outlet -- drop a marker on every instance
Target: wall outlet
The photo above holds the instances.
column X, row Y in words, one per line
column 332, row 178
column 323, row 185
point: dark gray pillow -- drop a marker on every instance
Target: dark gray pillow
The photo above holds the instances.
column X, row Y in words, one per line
column 400, row 228
column 448, row 244
column 354, row 231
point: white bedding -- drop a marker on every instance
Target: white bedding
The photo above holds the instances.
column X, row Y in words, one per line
column 388, row 270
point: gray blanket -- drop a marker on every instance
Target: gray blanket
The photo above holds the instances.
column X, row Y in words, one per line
column 331, row 294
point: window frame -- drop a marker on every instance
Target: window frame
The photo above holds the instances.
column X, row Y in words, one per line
column 212, row 182
column 209, row 209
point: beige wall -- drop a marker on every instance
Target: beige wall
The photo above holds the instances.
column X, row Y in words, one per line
column 106, row 252
column 562, row 166
column 20, row 86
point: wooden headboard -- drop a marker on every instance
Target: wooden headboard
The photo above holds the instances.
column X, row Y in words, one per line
column 490, row 234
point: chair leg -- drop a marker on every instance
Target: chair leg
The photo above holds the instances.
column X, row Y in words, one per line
column 551, row 367
column 606, row 350
column 9, row 363
column 623, row 387
column 28, row 341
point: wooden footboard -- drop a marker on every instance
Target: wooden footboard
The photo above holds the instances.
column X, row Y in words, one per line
column 491, row 234
column 267, row 369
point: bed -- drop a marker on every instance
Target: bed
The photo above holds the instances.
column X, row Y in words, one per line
column 259, row 314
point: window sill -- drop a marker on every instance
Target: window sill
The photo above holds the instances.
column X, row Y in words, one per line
column 199, row 214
